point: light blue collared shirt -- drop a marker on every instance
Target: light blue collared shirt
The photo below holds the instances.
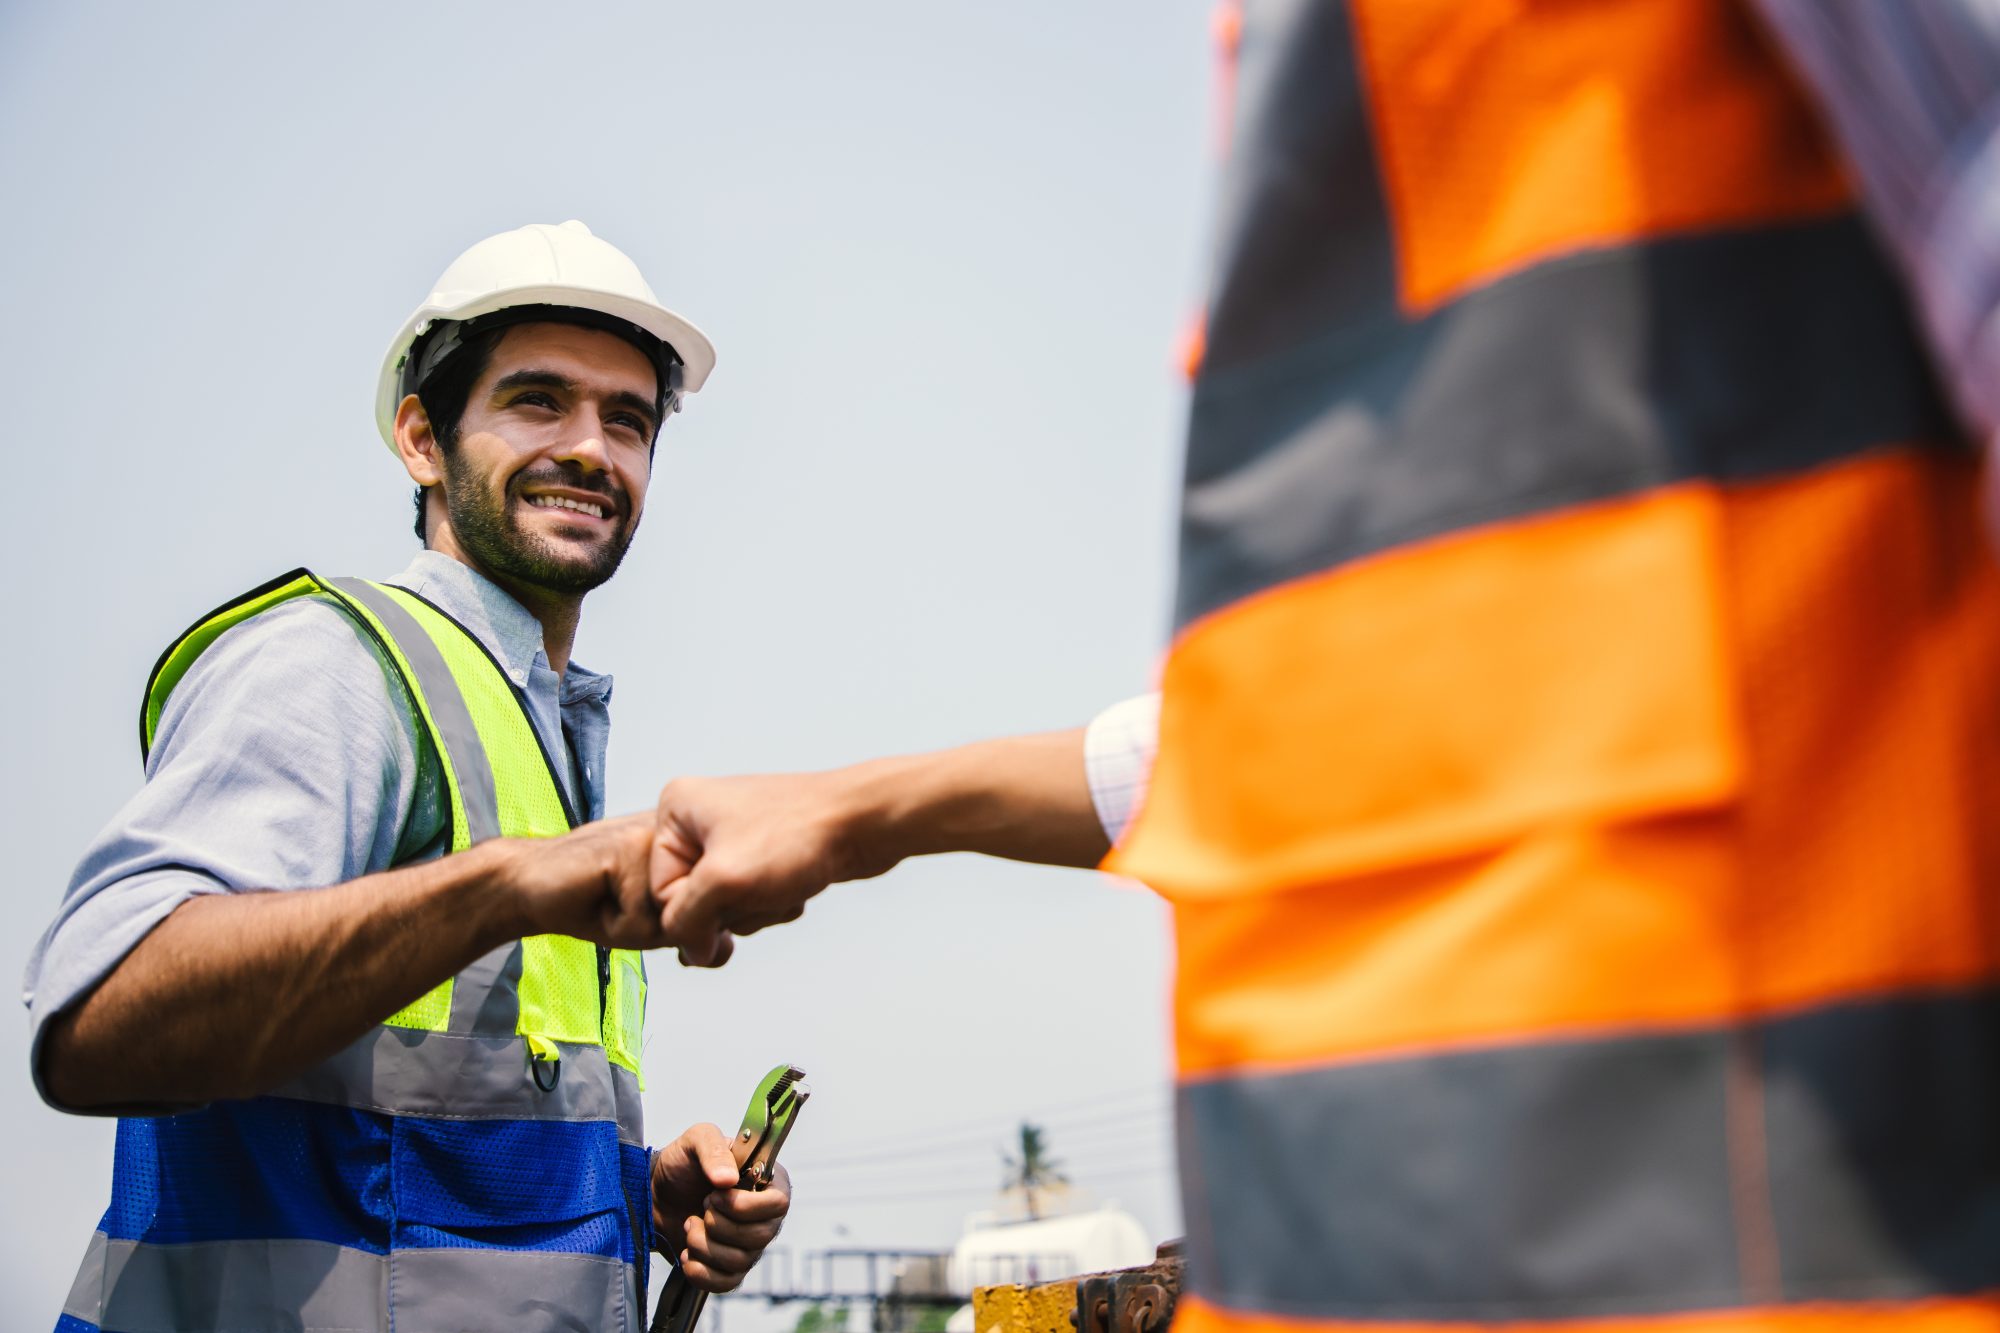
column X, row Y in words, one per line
column 287, row 759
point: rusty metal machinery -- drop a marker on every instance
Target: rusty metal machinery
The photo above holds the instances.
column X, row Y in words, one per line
column 1135, row 1300
column 1132, row 1300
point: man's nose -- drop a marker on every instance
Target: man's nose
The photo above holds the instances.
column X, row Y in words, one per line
column 583, row 443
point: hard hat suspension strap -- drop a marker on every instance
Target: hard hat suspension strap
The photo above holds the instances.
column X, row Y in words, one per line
column 445, row 339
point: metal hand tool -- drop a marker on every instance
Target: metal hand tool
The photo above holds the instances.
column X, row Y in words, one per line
column 773, row 1109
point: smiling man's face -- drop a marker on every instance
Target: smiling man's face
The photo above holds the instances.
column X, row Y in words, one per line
column 547, row 480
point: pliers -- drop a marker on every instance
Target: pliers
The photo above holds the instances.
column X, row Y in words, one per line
column 774, row 1107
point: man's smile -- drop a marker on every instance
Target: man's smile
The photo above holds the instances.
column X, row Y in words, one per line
column 576, row 503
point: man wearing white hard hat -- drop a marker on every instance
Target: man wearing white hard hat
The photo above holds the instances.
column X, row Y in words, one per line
column 360, row 966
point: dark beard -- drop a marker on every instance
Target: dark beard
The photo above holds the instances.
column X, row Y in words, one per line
column 487, row 532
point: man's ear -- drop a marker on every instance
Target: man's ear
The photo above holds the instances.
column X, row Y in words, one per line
column 417, row 442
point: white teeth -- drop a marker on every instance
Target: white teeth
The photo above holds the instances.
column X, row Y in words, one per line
column 564, row 502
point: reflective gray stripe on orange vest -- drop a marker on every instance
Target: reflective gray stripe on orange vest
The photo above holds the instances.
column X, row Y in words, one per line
column 466, row 1076
column 1884, row 1142
column 1567, row 1179
column 446, row 703
column 1328, row 423
column 1581, row 380
column 1301, row 169
column 272, row 1284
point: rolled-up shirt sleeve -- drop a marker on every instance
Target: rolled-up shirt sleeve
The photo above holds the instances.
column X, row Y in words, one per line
column 1118, row 749
column 1913, row 94
column 286, row 758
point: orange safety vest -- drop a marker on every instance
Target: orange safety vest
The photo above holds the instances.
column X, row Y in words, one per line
column 1581, row 741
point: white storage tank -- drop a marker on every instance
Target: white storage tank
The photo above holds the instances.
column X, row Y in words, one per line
column 992, row 1253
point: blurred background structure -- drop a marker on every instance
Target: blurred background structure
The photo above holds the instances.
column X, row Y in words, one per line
column 946, row 253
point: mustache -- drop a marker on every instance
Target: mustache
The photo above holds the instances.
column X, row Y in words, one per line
column 576, row 479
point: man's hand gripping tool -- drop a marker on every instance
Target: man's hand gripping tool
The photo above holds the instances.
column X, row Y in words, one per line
column 774, row 1107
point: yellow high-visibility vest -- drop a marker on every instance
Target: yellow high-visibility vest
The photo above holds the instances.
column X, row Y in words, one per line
column 477, row 1160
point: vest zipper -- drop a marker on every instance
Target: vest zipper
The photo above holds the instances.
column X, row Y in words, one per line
column 603, row 987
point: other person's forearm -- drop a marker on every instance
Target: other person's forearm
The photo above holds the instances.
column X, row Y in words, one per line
column 235, row 992
column 759, row 848
column 1025, row 798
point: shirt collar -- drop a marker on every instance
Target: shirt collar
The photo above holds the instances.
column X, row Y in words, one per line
column 508, row 629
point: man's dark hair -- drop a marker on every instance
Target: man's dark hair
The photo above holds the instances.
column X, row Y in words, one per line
column 445, row 394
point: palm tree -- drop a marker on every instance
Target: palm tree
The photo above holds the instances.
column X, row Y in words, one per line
column 1031, row 1168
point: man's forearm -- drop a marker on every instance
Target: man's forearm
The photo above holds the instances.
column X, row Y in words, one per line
column 234, row 993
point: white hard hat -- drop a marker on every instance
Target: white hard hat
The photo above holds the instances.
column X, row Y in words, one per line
column 543, row 265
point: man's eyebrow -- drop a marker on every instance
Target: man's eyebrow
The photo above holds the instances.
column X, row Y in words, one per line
column 550, row 379
column 647, row 409
column 535, row 379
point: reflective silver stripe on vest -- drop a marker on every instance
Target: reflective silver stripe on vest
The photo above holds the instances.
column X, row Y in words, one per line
column 458, row 1076
column 631, row 1114
column 446, row 703
column 486, row 997
column 308, row 1284
column 534, row 1291
column 236, row 1284
column 86, row 1293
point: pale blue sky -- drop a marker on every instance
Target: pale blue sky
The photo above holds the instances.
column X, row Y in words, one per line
column 945, row 251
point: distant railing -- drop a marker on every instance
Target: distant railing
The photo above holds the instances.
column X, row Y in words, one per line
column 913, row 1277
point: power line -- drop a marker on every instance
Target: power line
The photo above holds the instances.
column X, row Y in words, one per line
column 1144, row 1125
column 1002, row 1134
column 893, row 1164
column 977, row 1162
column 1152, row 1091
column 998, row 1134
column 1046, row 1115
column 1162, row 1164
column 1072, row 1126
column 1160, row 1155
column 1163, row 1173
